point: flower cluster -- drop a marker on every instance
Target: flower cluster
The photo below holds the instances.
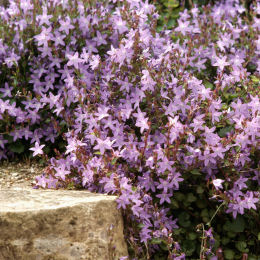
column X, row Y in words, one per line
column 139, row 110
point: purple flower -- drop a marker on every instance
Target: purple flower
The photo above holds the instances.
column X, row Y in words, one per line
column 141, row 120
column 16, row 134
column 197, row 123
column 73, row 144
column 102, row 112
column 4, row 105
column 250, row 200
column 123, row 258
column 107, row 83
column 26, row 5
column 175, row 179
column 164, row 197
column 100, row 39
column 37, row 149
column 103, row 145
column 61, row 172
column 241, row 183
column 183, row 27
column 7, row 90
column 164, row 165
column 59, row 39
column 44, row 36
column 12, row 59
column 41, row 181
column 120, row 25
column 74, row 60
column 165, row 185
column 94, row 62
column 218, row 183
column 123, row 201
column 147, row 81
column 44, row 18
column 145, row 234
column 237, row 207
column 66, row 25
column 221, row 62
column 2, row 142
column 219, row 151
column 147, row 182
column 109, row 182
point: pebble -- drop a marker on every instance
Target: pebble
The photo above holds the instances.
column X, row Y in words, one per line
column 18, row 174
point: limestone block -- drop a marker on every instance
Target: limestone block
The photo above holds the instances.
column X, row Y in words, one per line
column 59, row 225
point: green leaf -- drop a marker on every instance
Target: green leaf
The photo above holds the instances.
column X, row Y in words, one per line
column 61, row 145
column 183, row 219
column 189, row 247
column 159, row 28
column 171, row 23
column 173, row 3
column 225, row 240
column 199, row 190
column 46, row 149
column 98, row 153
column 225, row 107
column 204, row 213
column 195, row 172
column 140, row 225
column 255, row 79
column 163, row 246
column 241, row 246
column 192, row 236
column 251, row 242
column 231, row 234
column 229, row 254
column 134, row 188
column 70, row 186
column 201, row 204
column 9, row 138
column 205, row 219
column 158, row 257
column 224, row 131
column 177, row 231
column 174, row 204
column 156, row 241
column 114, row 161
column 258, row 236
column 209, row 85
column 179, row 196
column 191, row 197
column 237, row 225
column 17, row 147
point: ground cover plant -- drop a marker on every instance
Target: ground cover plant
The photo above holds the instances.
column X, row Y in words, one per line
column 169, row 9
column 168, row 121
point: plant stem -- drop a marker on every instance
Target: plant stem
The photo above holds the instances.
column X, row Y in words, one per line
column 222, row 204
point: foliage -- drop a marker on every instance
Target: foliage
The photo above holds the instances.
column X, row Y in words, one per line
column 168, row 121
column 169, row 10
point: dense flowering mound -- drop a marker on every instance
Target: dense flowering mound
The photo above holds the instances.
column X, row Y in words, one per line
column 143, row 114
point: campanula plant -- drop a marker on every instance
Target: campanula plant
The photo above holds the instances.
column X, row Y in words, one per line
column 143, row 115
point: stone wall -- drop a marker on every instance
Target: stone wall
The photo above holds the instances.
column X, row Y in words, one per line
column 60, row 225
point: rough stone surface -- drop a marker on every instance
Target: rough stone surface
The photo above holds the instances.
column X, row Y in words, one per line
column 59, row 225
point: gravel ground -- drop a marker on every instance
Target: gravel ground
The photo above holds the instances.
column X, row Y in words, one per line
column 19, row 174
